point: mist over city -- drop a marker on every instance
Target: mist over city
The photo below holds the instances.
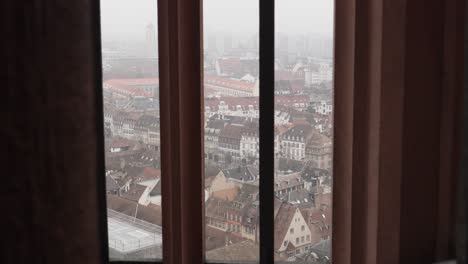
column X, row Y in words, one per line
column 303, row 129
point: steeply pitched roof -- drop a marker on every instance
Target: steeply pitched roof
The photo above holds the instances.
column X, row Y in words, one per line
column 226, row 194
column 277, row 206
column 302, row 131
column 111, row 184
column 147, row 121
column 319, row 220
column 282, row 222
column 150, row 173
column 244, row 251
column 216, row 124
column 229, row 83
column 232, row 131
column 285, row 164
column 216, row 238
column 156, row 190
column 216, row 208
column 300, row 198
column 242, row 173
column 286, row 182
column 211, row 171
column 151, row 214
column 119, row 142
column 318, row 140
column 311, row 172
column 134, row 193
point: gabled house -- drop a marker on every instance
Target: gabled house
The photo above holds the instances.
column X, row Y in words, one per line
column 237, row 177
column 292, row 233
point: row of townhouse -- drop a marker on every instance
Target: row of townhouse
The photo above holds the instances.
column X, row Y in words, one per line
column 232, row 87
column 246, row 105
column 233, row 136
column 144, row 127
column 302, row 142
column 240, row 140
column 323, row 107
column 232, row 207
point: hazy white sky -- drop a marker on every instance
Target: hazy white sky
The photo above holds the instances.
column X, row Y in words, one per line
column 127, row 18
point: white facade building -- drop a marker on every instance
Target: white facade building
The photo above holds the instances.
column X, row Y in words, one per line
column 324, row 108
column 323, row 74
column 297, row 237
column 249, row 145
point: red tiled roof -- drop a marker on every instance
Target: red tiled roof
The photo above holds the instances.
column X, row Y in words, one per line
column 136, row 82
column 285, row 182
column 226, row 194
column 320, row 221
column 216, row 238
column 118, row 142
column 151, row 173
column 151, row 213
column 300, row 122
column 134, row 193
column 318, row 140
column 212, row 81
column 232, row 131
column 130, row 86
column 280, row 130
column 208, row 90
column 245, row 251
column 290, row 100
column 229, row 65
column 232, row 102
column 288, row 75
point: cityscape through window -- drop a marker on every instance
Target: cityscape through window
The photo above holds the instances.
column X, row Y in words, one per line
column 303, row 130
column 131, row 123
column 303, row 141
column 231, row 90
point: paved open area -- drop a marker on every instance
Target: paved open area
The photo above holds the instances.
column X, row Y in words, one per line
column 128, row 235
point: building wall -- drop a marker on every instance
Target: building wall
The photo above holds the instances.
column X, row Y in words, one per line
column 297, row 223
column 293, row 149
column 220, row 182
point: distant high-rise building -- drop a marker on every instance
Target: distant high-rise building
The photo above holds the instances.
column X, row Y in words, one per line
column 211, row 43
column 300, row 45
column 283, row 43
column 227, row 43
column 253, row 42
column 151, row 41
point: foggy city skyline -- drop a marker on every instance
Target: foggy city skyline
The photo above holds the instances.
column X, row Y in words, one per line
column 303, row 132
column 122, row 19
